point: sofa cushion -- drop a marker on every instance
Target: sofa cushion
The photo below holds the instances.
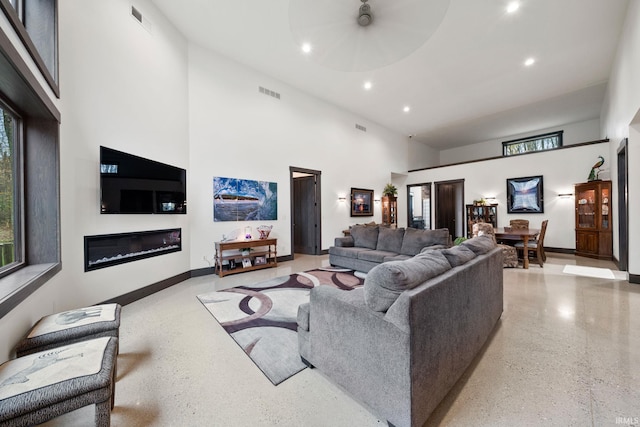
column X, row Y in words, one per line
column 458, row 255
column 390, row 239
column 375, row 256
column 346, row 242
column 365, row 236
column 480, row 244
column 347, row 252
column 433, row 247
column 415, row 240
column 396, row 258
column 385, row 282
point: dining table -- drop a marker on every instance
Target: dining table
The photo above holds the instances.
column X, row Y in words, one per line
column 520, row 234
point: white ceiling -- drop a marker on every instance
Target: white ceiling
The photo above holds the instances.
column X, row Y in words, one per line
column 466, row 84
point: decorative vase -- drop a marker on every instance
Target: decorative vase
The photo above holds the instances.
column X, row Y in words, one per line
column 264, row 231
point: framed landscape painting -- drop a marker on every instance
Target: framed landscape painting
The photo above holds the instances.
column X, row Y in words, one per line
column 524, row 195
column 361, row 202
column 244, row 200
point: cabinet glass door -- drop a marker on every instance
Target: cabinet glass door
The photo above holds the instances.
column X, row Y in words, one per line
column 605, row 209
column 586, row 209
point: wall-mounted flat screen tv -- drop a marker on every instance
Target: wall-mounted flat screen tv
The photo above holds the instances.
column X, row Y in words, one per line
column 130, row 184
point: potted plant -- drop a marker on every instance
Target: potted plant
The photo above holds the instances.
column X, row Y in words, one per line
column 390, row 190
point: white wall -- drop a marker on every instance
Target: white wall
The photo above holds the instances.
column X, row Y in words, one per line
column 422, row 156
column 560, row 170
column 237, row 132
column 574, row 133
column 126, row 88
column 621, row 119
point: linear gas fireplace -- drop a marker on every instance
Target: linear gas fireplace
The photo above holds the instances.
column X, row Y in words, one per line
column 110, row 249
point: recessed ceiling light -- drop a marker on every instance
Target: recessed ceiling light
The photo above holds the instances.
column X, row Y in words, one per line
column 367, row 85
column 306, row 47
column 406, row 109
column 513, row 6
column 529, row 62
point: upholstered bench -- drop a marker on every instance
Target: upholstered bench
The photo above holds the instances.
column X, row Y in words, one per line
column 70, row 327
column 41, row 386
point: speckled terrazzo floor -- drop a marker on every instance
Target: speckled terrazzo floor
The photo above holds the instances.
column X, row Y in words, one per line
column 566, row 352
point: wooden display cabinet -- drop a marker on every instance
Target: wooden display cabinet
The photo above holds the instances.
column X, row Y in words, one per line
column 481, row 213
column 593, row 220
column 229, row 257
column 390, row 211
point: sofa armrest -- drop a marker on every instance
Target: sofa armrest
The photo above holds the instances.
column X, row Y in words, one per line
column 360, row 350
column 344, row 242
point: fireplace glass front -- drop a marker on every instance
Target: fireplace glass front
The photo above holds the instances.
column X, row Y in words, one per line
column 111, row 249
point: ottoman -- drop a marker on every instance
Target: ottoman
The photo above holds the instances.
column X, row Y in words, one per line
column 70, row 327
column 41, row 386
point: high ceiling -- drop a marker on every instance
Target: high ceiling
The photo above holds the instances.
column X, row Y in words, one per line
column 467, row 83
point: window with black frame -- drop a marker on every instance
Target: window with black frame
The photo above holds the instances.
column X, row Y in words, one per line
column 532, row 144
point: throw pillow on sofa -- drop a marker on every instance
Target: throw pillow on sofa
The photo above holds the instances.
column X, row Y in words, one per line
column 415, row 240
column 458, row 255
column 365, row 236
column 480, row 244
column 385, row 282
column 390, row 239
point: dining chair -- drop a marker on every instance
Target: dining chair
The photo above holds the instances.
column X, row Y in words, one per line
column 509, row 253
column 536, row 245
column 519, row 224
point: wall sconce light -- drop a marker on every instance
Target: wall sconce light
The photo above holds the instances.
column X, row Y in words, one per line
column 491, row 200
column 342, row 199
column 565, row 194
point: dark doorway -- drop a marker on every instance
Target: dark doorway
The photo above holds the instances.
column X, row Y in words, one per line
column 450, row 206
column 623, row 207
column 305, row 211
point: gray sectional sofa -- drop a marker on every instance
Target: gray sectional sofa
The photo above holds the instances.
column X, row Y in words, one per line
column 368, row 246
column 402, row 341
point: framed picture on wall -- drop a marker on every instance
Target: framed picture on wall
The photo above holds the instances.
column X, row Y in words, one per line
column 361, row 202
column 525, row 195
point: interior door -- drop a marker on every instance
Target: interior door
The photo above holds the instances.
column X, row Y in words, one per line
column 450, row 206
column 306, row 211
column 304, row 224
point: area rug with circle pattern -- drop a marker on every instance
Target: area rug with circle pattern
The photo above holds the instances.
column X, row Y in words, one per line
column 261, row 318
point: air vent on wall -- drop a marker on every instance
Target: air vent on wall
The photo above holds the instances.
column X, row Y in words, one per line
column 360, row 127
column 136, row 14
column 268, row 92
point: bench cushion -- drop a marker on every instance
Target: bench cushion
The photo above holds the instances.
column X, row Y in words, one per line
column 44, row 385
column 71, row 326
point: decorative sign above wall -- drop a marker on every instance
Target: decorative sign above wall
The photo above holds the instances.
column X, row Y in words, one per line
column 244, row 200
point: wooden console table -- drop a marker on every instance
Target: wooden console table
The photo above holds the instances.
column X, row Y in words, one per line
column 231, row 252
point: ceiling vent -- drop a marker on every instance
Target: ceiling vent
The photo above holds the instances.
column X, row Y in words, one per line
column 268, row 92
column 360, row 127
